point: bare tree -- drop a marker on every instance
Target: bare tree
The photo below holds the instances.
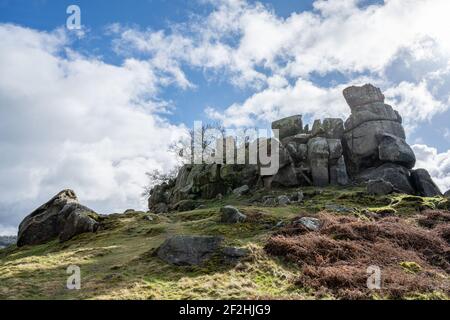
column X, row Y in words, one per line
column 202, row 137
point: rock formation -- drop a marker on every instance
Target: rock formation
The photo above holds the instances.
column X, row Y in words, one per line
column 369, row 146
column 61, row 217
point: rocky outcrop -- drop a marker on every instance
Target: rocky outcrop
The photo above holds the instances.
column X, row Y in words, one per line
column 447, row 194
column 370, row 145
column 62, row 217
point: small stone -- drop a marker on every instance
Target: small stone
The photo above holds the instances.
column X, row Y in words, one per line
column 311, row 224
column 269, row 201
column 279, row 224
column 200, row 207
column 283, row 200
column 148, row 218
column 297, row 197
column 338, row 208
column 379, row 187
column 219, row 196
column 241, row 190
column 232, row 215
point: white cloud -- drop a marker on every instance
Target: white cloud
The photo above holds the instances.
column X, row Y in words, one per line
column 254, row 46
column 276, row 102
column 414, row 102
column 438, row 164
column 75, row 122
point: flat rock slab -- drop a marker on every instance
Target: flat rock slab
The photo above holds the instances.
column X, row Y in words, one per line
column 189, row 250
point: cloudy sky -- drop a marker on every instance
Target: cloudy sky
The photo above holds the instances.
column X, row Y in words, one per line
column 94, row 109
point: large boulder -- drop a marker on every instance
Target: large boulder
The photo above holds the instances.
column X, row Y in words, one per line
column 360, row 96
column 379, row 187
column 335, row 149
column 289, row 126
column 297, row 151
column 189, row 250
column 372, row 112
column 361, row 143
column 61, row 217
column 159, row 197
column 373, row 133
column 318, row 155
column 338, row 173
column 447, row 194
column 395, row 174
column 333, row 128
column 424, row 184
column 396, row 150
column 285, row 177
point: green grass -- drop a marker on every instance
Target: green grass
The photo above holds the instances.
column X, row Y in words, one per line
column 118, row 261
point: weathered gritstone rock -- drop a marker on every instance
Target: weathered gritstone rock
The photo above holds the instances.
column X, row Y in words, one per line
column 283, row 200
column 372, row 112
column 424, row 184
column 189, row 250
column 288, row 126
column 361, row 144
column 396, row 150
column 447, row 194
column 61, row 217
column 397, row 175
column 338, row 173
column 318, row 154
column 231, row 214
column 379, row 187
column 373, row 133
column 370, row 145
column 333, row 128
column 312, row 224
column 241, row 190
column 360, row 96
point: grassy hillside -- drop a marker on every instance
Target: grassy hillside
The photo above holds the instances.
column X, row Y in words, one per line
column 118, row 261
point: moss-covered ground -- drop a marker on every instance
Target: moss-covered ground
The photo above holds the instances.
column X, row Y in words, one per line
column 118, row 262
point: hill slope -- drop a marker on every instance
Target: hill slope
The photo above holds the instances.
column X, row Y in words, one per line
column 118, row 262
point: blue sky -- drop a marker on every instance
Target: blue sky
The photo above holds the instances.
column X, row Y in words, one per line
column 95, row 110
